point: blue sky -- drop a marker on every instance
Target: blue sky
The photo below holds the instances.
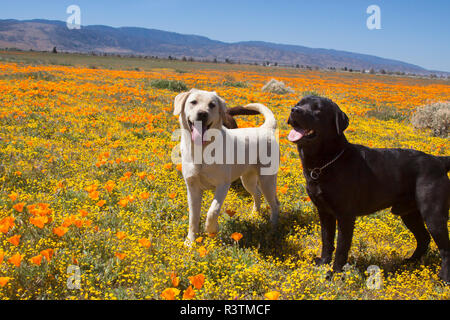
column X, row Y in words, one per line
column 416, row 31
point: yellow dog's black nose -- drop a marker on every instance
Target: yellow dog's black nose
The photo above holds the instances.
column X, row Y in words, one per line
column 202, row 116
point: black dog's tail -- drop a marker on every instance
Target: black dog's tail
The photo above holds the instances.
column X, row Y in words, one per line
column 446, row 162
column 229, row 121
column 241, row 111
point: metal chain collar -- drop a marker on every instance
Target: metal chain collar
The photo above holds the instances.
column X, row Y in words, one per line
column 316, row 172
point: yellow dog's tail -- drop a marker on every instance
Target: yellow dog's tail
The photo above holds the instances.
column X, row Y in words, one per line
column 271, row 122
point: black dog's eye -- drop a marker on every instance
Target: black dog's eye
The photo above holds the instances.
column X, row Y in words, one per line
column 211, row 105
column 194, row 102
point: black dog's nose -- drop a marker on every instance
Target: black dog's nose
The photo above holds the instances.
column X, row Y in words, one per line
column 202, row 116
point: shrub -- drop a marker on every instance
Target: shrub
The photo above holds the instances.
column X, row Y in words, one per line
column 435, row 117
column 310, row 93
column 230, row 81
column 386, row 113
column 235, row 84
column 38, row 75
column 172, row 85
column 278, row 87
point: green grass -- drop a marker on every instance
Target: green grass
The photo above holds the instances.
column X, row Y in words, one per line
column 310, row 93
column 386, row 113
column 172, row 85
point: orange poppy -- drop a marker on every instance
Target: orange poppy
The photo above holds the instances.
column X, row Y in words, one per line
column 36, row 260
column 142, row 175
column 283, row 190
column 123, row 202
column 110, row 185
column 39, row 221
column 67, row 222
column 144, row 195
column 197, row 281
column 60, row 231
column 236, row 236
column 19, row 206
column 121, row 235
column 145, row 242
column 170, row 293
column 91, row 188
column 101, row 203
column 127, row 174
column 230, row 212
column 78, row 223
column 4, row 281
column 174, row 279
column 94, row 195
column 87, row 222
column 202, row 251
column 15, row 240
column 6, row 224
column 83, row 212
column 120, row 255
column 272, row 295
column 47, row 253
column 189, row 293
column 16, row 259
column 13, row 196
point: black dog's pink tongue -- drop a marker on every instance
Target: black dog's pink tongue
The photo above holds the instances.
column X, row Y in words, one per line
column 296, row 135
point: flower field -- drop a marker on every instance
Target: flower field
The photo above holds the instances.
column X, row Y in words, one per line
column 88, row 188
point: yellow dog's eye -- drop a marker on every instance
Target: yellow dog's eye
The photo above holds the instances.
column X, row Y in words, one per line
column 194, row 102
column 211, row 105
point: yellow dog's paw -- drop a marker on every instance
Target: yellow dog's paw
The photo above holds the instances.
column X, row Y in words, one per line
column 256, row 210
column 189, row 241
column 211, row 227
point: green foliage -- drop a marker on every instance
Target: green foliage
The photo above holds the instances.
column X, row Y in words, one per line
column 435, row 117
column 387, row 113
column 172, row 85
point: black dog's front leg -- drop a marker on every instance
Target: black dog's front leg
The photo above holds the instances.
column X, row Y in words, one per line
column 328, row 229
column 344, row 241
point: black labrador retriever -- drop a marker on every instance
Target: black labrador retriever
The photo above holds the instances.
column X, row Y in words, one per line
column 346, row 180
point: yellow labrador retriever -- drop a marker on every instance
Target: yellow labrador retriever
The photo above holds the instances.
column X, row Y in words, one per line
column 214, row 156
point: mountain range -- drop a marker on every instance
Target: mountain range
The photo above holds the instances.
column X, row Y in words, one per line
column 44, row 35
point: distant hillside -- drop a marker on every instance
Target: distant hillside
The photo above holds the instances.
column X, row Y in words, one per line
column 43, row 35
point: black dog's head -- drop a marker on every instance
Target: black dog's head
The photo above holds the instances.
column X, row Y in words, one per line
column 315, row 120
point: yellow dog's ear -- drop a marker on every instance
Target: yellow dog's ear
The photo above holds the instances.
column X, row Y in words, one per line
column 222, row 106
column 180, row 100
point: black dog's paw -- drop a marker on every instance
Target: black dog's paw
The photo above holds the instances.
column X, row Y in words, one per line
column 445, row 277
column 321, row 261
column 411, row 260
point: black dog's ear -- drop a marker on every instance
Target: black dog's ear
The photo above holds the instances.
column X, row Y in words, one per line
column 342, row 121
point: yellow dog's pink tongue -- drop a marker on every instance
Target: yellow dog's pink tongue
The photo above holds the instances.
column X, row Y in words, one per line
column 295, row 135
column 196, row 136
